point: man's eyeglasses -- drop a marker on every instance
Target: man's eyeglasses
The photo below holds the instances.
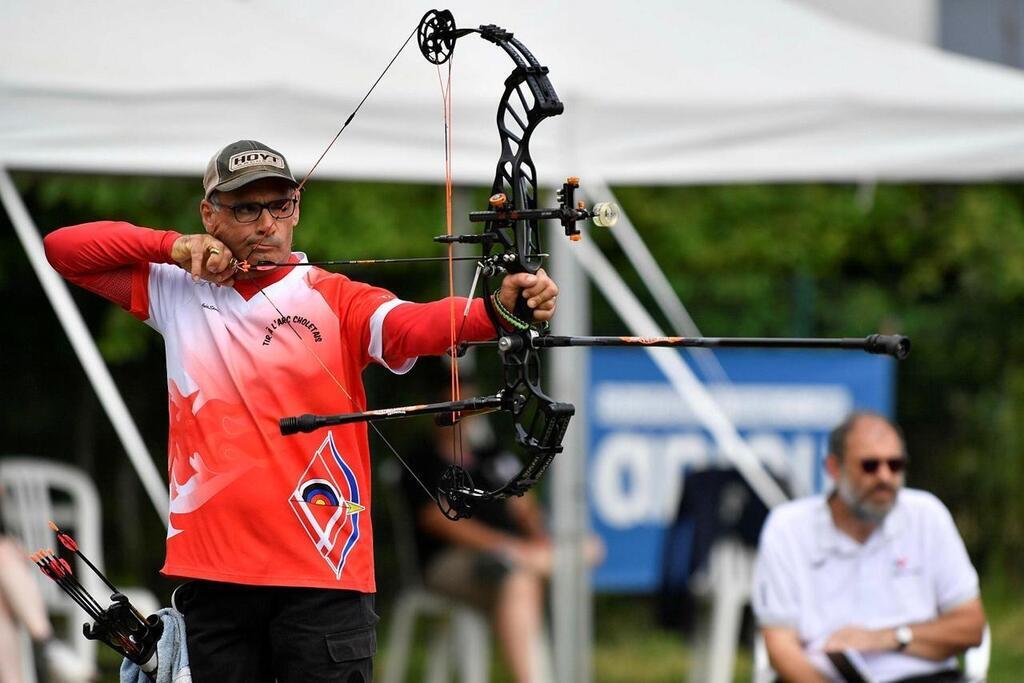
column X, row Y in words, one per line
column 250, row 212
column 895, row 465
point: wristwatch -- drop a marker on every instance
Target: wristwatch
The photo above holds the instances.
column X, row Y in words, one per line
column 904, row 636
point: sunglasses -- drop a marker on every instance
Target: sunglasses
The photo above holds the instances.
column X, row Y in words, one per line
column 895, row 465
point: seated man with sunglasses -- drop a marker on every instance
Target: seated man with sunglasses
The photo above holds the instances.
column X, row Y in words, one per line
column 871, row 567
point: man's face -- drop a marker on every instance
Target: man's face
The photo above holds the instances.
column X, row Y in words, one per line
column 273, row 235
column 865, row 480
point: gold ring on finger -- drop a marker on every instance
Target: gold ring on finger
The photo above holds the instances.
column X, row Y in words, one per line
column 214, row 250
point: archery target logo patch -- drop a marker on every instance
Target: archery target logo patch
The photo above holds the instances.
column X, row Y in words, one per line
column 327, row 503
column 320, row 492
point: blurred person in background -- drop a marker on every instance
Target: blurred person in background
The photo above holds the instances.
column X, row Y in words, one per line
column 273, row 533
column 500, row 559
column 871, row 567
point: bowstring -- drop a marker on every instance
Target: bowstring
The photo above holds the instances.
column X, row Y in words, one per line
column 306, row 346
column 330, row 144
column 455, row 334
column 349, row 396
column 445, row 84
column 356, row 110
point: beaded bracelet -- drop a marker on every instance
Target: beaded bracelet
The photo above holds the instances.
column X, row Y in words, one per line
column 507, row 315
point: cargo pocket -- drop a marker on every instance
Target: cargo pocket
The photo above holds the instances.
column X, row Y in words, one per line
column 350, row 646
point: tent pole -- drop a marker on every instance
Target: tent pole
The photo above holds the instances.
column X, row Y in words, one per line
column 571, row 590
column 653, row 276
column 650, row 272
column 84, row 346
column 730, row 444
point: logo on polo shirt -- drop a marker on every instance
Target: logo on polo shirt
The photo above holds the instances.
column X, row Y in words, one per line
column 327, row 502
column 256, row 157
column 901, row 567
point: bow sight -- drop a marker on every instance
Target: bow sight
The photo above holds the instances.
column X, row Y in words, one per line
column 503, row 215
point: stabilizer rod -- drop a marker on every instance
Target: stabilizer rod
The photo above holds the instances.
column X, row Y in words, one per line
column 894, row 345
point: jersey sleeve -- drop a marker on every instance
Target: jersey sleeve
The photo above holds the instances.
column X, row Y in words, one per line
column 956, row 580
column 110, row 258
column 776, row 595
column 412, row 329
column 393, row 332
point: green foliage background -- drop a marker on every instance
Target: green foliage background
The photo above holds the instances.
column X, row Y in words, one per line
column 943, row 264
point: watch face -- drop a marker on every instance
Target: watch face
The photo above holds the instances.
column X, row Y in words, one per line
column 903, row 636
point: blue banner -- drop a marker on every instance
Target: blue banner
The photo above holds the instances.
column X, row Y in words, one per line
column 643, row 437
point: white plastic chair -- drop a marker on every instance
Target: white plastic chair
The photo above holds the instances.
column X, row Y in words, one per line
column 461, row 645
column 976, row 660
column 464, row 637
column 725, row 585
column 763, row 672
column 36, row 491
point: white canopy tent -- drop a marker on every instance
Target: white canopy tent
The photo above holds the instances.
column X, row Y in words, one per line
column 684, row 91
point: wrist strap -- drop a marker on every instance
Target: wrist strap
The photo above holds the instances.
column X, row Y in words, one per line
column 506, row 315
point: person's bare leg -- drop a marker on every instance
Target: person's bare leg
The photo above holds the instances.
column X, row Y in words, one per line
column 517, row 622
column 20, row 604
column 10, row 646
column 20, row 592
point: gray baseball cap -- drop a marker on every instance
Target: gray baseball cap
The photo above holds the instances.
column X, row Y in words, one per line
column 242, row 162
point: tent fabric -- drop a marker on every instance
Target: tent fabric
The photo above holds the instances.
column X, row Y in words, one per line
column 666, row 91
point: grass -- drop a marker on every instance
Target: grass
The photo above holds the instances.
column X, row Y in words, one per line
column 1004, row 607
column 630, row 646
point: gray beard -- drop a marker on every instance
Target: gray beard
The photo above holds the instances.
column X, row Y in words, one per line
column 861, row 508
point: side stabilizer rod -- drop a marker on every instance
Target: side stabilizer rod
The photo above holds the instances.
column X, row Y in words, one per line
column 895, row 345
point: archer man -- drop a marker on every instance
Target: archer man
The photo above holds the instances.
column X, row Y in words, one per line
column 272, row 534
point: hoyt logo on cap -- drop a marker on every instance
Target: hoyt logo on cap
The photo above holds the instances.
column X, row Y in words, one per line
column 243, row 162
column 259, row 157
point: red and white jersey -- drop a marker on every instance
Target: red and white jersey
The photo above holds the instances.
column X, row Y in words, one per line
column 248, row 505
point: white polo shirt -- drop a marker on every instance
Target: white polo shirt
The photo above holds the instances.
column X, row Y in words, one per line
column 814, row 578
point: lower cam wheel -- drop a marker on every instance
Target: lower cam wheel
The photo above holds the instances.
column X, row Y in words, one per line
column 452, row 493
